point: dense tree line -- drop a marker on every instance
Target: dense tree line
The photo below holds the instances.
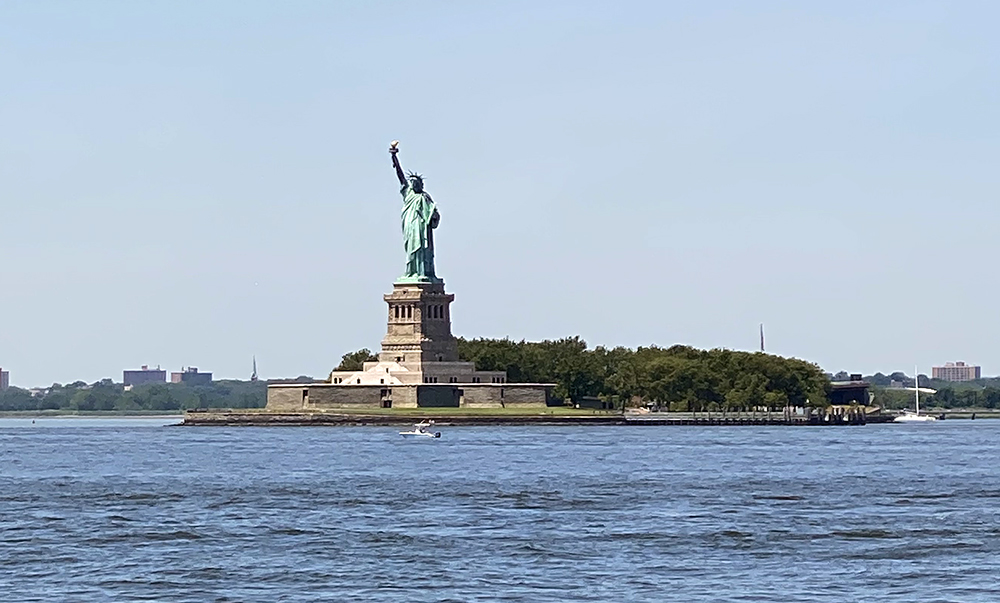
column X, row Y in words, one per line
column 354, row 361
column 108, row 396
column 678, row 378
column 946, row 397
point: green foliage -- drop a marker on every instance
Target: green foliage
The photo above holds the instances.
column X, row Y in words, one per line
column 679, row 377
column 165, row 397
column 962, row 396
column 354, row 361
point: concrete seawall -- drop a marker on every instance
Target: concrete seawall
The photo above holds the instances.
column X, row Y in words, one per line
column 257, row 418
column 237, row 418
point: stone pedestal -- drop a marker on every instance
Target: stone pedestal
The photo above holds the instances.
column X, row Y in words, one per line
column 417, row 367
column 419, row 329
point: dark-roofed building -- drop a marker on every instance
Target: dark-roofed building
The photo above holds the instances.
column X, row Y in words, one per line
column 191, row 376
column 144, row 375
column 845, row 393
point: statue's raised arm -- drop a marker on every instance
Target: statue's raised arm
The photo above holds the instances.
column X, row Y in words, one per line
column 419, row 219
column 393, row 150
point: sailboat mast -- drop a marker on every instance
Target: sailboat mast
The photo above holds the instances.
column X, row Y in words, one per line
column 916, row 388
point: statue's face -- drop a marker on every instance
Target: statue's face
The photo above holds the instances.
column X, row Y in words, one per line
column 417, row 185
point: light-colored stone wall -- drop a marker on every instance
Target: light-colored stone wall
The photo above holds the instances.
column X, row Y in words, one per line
column 331, row 396
column 318, row 396
column 511, row 395
column 285, row 398
column 324, row 396
column 404, row 397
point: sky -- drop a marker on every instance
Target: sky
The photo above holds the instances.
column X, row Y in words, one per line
column 198, row 183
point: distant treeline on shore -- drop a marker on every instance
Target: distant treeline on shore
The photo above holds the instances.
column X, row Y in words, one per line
column 890, row 393
column 106, row 395
column 678, row 378
column 947, row 396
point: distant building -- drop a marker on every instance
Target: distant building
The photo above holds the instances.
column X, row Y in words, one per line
column 956, row 371
column 851, row 391
column 191, row 376
column 144, row 375
column 4, row 379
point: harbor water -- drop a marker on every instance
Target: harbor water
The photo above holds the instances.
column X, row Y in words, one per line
column 95, row 510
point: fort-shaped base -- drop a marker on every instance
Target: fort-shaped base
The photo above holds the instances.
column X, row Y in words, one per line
column 417, row 367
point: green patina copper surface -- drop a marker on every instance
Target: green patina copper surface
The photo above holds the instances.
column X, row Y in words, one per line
column 419, row 219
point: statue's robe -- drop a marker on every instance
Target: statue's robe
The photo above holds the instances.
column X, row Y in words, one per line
column 419, row 217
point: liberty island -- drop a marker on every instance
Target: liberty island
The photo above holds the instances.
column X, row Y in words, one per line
column 418, row 365
column 419, row 369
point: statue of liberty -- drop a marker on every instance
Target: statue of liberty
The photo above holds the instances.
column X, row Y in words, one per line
column 420, row 218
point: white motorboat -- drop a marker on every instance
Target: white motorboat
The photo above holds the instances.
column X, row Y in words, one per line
column 914, row 416
column 420, row 430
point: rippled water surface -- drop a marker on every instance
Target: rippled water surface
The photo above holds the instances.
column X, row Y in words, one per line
column 130, row 510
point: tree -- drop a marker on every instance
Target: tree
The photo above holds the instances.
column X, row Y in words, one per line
column 354, row 361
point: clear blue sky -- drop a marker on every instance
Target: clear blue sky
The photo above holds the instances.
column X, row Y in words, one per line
column 192, row 183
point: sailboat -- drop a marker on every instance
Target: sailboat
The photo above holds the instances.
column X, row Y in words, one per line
column 914, row 416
